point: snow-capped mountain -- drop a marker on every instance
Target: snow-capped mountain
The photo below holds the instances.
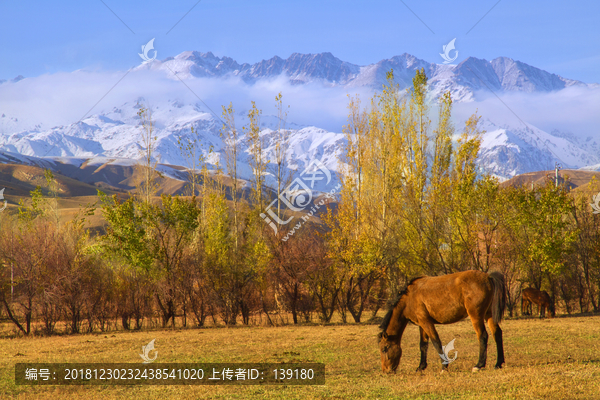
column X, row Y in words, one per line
column 508, row 151
column 116, row 135
column 499, row 75
column 113, row 132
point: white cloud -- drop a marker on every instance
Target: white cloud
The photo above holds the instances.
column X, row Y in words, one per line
column 574, row 110
column 64, row 98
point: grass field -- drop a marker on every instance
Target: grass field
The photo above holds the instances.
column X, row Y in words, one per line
column 547, row 359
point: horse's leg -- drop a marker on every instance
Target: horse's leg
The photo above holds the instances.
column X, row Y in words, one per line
column 424, row 343
column 497, row 333
column 482, row 335
column 542, row 311
column 525, row 304
column 431, row 332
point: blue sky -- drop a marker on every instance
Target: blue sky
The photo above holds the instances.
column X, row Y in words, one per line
column 47, row 37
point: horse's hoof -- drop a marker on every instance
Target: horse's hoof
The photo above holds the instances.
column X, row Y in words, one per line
column 477, row 369
column 421, row 368
column 498, row 367
column 444, row 370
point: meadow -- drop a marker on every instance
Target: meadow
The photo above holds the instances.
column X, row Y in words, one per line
column 545, row 359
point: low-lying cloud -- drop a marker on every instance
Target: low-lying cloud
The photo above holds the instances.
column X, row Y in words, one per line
column 65, row 98
column 572, row 110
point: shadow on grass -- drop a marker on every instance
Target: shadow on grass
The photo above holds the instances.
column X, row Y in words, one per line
column 536, row 317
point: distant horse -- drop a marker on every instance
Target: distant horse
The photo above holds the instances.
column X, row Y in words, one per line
column 530, row 296
column 447, row 299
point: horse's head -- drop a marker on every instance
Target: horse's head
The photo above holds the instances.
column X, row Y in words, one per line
column 389, row 347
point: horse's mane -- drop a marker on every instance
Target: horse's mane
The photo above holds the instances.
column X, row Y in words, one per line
column 392, row 303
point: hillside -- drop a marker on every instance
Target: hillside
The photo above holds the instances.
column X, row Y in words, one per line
column 79, row 182
column 577, row 180
column 78, row 186
column 74, row 181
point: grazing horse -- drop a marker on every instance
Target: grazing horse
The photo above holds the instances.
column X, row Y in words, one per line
column 539, row 297
column 447, row 299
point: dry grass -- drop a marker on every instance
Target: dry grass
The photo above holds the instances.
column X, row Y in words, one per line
column 549, row 359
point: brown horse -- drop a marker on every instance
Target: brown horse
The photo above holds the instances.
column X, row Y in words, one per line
column 531, row 296
column 447, row 299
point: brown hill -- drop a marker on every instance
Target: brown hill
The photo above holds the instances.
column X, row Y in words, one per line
column 85, row 180
column 576, row 180
column 77, row 186
column 19, row 180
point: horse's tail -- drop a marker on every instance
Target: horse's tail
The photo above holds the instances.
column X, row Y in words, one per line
column 499, row 301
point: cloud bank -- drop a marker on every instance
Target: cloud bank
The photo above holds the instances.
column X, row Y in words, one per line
column 64, row 98
column 572, row 110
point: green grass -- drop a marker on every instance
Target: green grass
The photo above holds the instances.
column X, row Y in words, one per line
column 549, row 359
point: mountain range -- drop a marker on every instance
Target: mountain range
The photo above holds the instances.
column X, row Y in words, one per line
column 502, row 74
column 112, row 134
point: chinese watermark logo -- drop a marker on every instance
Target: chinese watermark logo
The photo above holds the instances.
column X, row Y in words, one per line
column 447, row 49
column 446, row 349
column 595, row 205
column 145, row 49
column 146, row 350
column 2, row 198
column 298, row 196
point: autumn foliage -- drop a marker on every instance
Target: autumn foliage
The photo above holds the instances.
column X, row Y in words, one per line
column 412, row 202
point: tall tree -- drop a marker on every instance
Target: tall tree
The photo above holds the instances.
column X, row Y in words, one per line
column 231, row 137
column 152, row 238
column 281, row 149
column 190, row 148
column 401, row 182
column 257, row 160
column 148, row 156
